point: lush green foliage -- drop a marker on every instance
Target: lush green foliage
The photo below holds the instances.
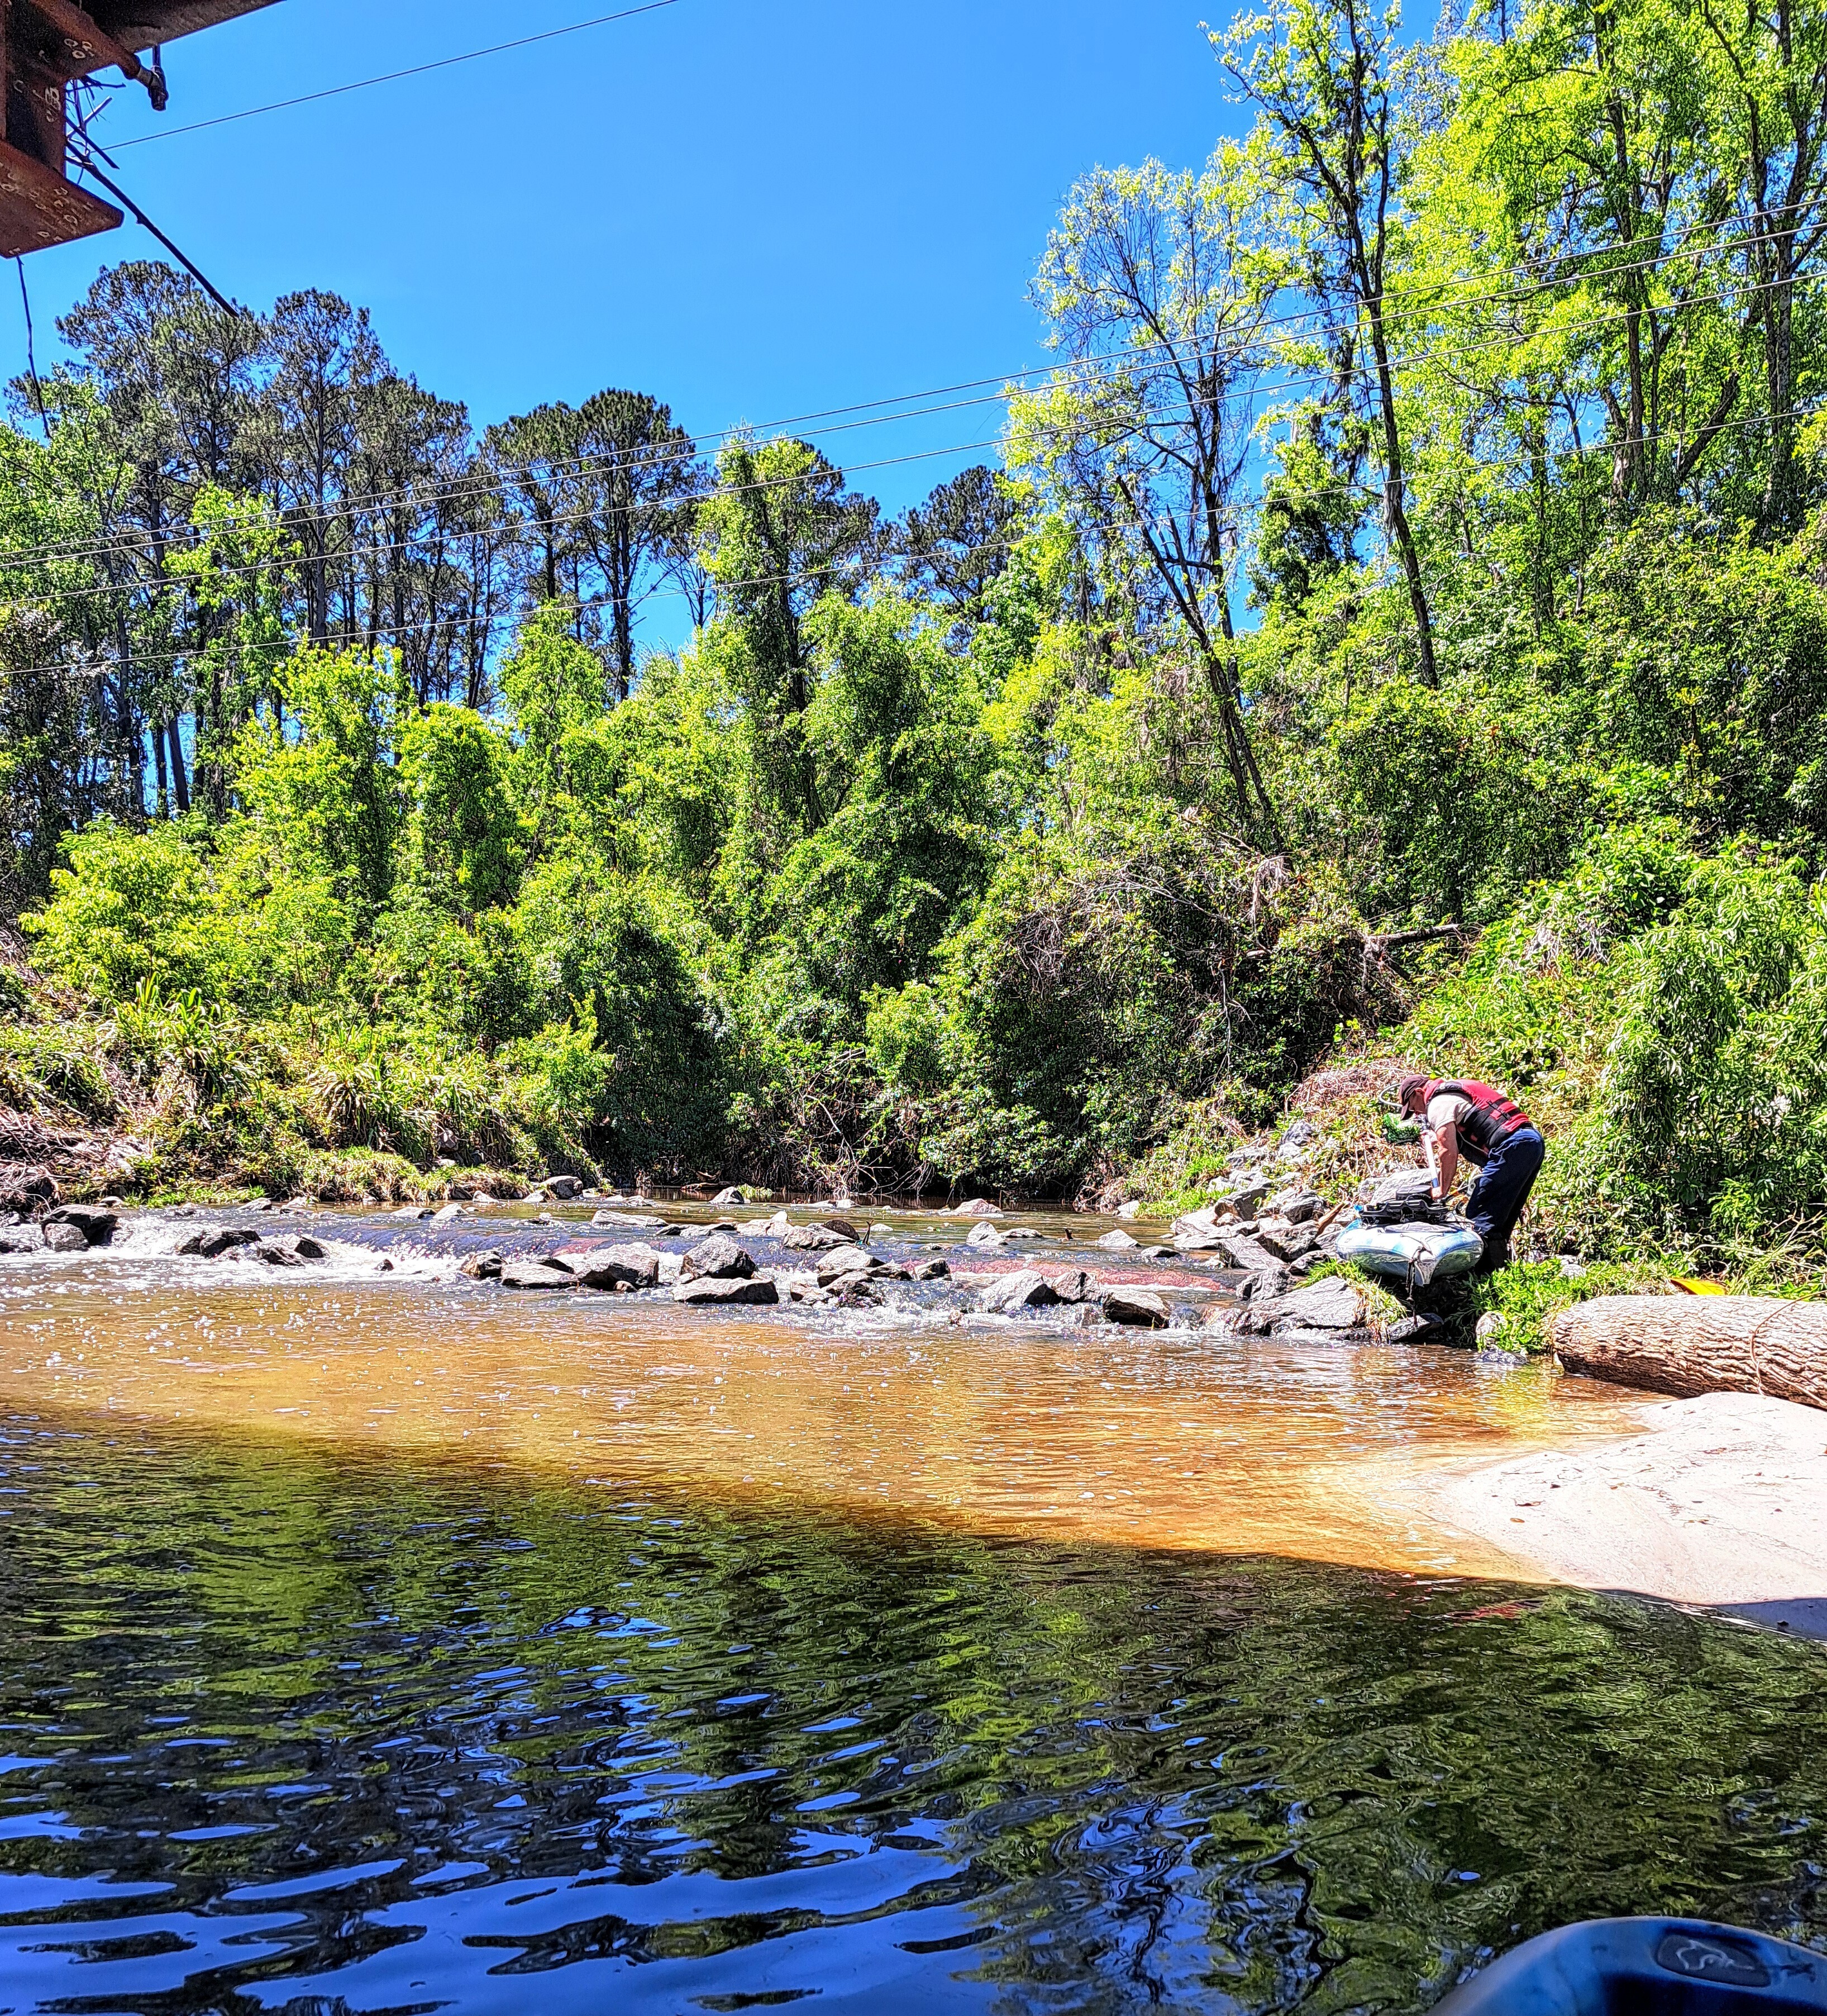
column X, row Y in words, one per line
column 990, row 845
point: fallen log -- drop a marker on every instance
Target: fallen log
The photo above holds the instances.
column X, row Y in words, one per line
column 1688, row 1345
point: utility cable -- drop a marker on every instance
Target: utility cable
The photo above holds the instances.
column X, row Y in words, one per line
column 394, row 76
column 347, row 511
column 1111, row 364
column 377, row 637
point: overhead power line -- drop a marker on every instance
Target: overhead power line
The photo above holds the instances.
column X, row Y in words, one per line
column 1082, row 376
column 1084, row 371
column 395, row 76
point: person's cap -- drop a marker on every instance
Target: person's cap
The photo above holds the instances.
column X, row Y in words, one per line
column 1409, row 1090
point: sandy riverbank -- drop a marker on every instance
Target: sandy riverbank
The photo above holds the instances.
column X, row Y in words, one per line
column 1721, row 1502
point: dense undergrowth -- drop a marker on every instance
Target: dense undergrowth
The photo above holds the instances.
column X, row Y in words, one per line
column 986, row 848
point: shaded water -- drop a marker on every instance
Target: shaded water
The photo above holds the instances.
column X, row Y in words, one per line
column 396, row 1644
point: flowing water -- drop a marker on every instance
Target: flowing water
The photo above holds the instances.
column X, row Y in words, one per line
column 377, row 1642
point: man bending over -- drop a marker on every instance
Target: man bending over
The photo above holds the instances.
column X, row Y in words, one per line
column 1461, row 1117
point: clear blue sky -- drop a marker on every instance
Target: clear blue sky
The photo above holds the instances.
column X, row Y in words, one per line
column 750, row 212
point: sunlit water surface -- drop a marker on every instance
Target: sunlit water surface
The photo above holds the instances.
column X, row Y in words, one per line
column 386, row 1644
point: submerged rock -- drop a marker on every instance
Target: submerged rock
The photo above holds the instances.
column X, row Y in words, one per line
column 726, row 1290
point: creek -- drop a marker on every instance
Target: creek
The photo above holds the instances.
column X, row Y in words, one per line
column 376, row 1641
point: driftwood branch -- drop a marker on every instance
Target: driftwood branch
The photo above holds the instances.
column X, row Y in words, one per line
column 1687, row 1344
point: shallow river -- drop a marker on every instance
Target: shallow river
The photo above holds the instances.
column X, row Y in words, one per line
column 384, row 1642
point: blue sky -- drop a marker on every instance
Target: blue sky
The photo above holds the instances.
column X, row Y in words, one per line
column 751, row 212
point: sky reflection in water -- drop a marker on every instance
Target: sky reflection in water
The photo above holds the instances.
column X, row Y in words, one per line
column 331, row 1711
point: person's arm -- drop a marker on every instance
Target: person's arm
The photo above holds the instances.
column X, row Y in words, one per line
column 1443, row 1160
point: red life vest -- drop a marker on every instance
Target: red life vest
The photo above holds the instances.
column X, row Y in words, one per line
column 1493, row 1117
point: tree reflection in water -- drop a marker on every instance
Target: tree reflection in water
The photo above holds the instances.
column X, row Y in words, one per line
column 289, row 1729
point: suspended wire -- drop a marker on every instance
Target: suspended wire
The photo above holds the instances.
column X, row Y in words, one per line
column 346, row 556
column 31, row 359
column 394, row 76
column 1111, row 364
column 380, row 636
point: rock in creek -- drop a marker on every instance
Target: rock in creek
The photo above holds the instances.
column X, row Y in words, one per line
column 816, row 1238
column 1026, row 1290
column 1332, row 1306
column 214, row 1240
column 985, row 1234
column 977, row 1208
column 733, row 1195
column 717, row 1258
column 845, row 1264
column 1142, row 1308
column 536, row 1274
column 563, row 1188
column 1073, row 1284
column 1117, row 1242
column 724, row 1291
column 484, row 1266
column 64, row 1238
column 933, row 1270
column 95, row 1224
column 624, row 1217
column 606, row 1268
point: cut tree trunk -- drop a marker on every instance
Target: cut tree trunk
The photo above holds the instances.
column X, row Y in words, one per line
column 1688, row 1345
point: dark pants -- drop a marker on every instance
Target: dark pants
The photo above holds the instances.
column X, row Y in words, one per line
column 1502, row 1190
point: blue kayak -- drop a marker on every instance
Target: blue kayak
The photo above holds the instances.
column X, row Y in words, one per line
column 1416, row 1252
column 1647, row 1967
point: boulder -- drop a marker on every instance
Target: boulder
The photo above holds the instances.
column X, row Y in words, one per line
column 1156, row 1253
column 1242, row 1250
column 1027, row 1232
column 65, row 1239
column 843, row 1228
column 1117, row 1242
column 816, row 1238
column 722, row 1290
column 733, row 1195
column 1025, row 1289
column 621, row 1218
column 1288, row 1242
column 717, row 1258
column 536, row 1274
column 483, row 1266
column 216, row 1240
column 276, row 1253
column 413, row 1210
column 607, row 1267
column 564, row 1188
column 1132, row 1209
column 1073, row 1284
column 977, row 1208
column 1413, row 1329
column 1140, row 1308
column 1328, row 1306
column 444, row 1216
column 95, row 1224
column 933, row 1270
column 984, row 1235
column 1297, row 1204
column 845, row 1263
